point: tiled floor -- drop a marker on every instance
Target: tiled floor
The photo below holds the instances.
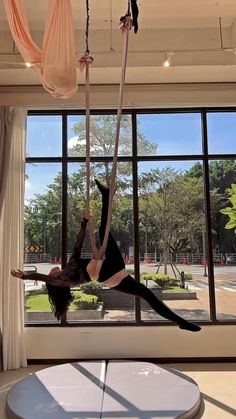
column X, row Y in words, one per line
column 217, row 383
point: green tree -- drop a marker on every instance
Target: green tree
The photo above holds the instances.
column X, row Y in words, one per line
column 172, row 207
column 231, row 211
column 102, row 141
column 222, row 175
column 43, row 214
column 43, row 219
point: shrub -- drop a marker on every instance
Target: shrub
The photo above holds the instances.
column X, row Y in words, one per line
column 85, row 301
column 92, row 288
column 162, row 280
column 187, row 277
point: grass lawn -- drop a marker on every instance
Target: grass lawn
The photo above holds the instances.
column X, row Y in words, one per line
column 39, row 302
column 174, row 289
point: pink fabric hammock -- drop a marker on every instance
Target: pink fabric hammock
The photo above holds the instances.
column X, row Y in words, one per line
column 57, row 61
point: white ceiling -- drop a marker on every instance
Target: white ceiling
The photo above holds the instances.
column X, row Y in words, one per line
column 190, row 28
column 164, row 13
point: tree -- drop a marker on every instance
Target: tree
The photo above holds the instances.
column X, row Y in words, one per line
column 174, row 214
column 102, row 140
column 43, row 214
column 222, row 174
column 231, row 211
column 43, row 219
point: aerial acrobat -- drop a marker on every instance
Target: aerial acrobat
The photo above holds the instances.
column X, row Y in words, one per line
column 112, row 274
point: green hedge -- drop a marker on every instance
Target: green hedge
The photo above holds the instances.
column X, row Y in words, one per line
column 162, row 280
column 85, row 302
column 187, row 277
column 92, row 288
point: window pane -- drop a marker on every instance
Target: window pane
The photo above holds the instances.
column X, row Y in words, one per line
column 44, row 136
column 102, row 135
column 172, row 227
column 116, row 306
column 221, row 128
column 172, row 238
column 222, row 175
column 42, row 234
column 169, row 134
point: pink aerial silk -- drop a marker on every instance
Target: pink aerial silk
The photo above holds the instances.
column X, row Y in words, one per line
column 86, row 60
column 57, row 61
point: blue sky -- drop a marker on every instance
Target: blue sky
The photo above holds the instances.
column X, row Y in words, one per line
column 222, row 132
column 174, row 134
column 44, row 136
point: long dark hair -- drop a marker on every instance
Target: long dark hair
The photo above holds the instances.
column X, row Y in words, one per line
column 60, row 299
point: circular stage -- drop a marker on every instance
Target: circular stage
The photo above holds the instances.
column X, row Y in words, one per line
column 104, row 389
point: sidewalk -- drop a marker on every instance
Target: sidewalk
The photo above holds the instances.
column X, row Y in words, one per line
column 189, row 309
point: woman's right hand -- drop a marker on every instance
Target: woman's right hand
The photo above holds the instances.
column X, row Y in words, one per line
column 17, row 274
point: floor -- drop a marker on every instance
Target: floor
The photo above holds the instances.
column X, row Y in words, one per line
column 217, row 383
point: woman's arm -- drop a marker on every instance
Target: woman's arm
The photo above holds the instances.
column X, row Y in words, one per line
column 57, row 282
column 34, row 276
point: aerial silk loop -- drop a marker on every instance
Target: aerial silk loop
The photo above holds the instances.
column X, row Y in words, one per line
column 56, row 61
column 57, row 65
column 125, row 27
column 86, row 60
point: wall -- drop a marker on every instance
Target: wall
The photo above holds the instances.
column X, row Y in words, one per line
column 135, row 96
column 129, row 342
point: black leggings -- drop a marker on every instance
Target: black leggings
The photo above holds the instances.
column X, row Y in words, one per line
column 114, row 263
column 130, row 286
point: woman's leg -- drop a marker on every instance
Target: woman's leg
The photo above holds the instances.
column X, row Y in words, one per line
column 130, row 286
column 112, row 250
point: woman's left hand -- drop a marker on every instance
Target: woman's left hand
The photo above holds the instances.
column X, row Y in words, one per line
column 17, row 274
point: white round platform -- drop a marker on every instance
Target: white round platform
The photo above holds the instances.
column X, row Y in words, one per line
column 99, row 389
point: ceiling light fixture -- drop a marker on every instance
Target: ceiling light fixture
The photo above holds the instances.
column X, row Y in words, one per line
column 28, row 65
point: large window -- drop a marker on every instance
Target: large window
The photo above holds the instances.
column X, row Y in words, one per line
column 172, row 237
column 174, row 180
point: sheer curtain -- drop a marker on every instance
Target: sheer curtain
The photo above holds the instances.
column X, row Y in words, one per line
column 6, row 126
column 12, row 250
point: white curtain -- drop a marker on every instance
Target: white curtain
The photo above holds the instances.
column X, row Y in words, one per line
column 12, row 251
column 6, row 126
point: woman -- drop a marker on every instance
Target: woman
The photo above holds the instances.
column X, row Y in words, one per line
column 112, row 274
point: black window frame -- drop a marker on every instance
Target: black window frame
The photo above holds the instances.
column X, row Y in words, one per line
column 204, row 158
